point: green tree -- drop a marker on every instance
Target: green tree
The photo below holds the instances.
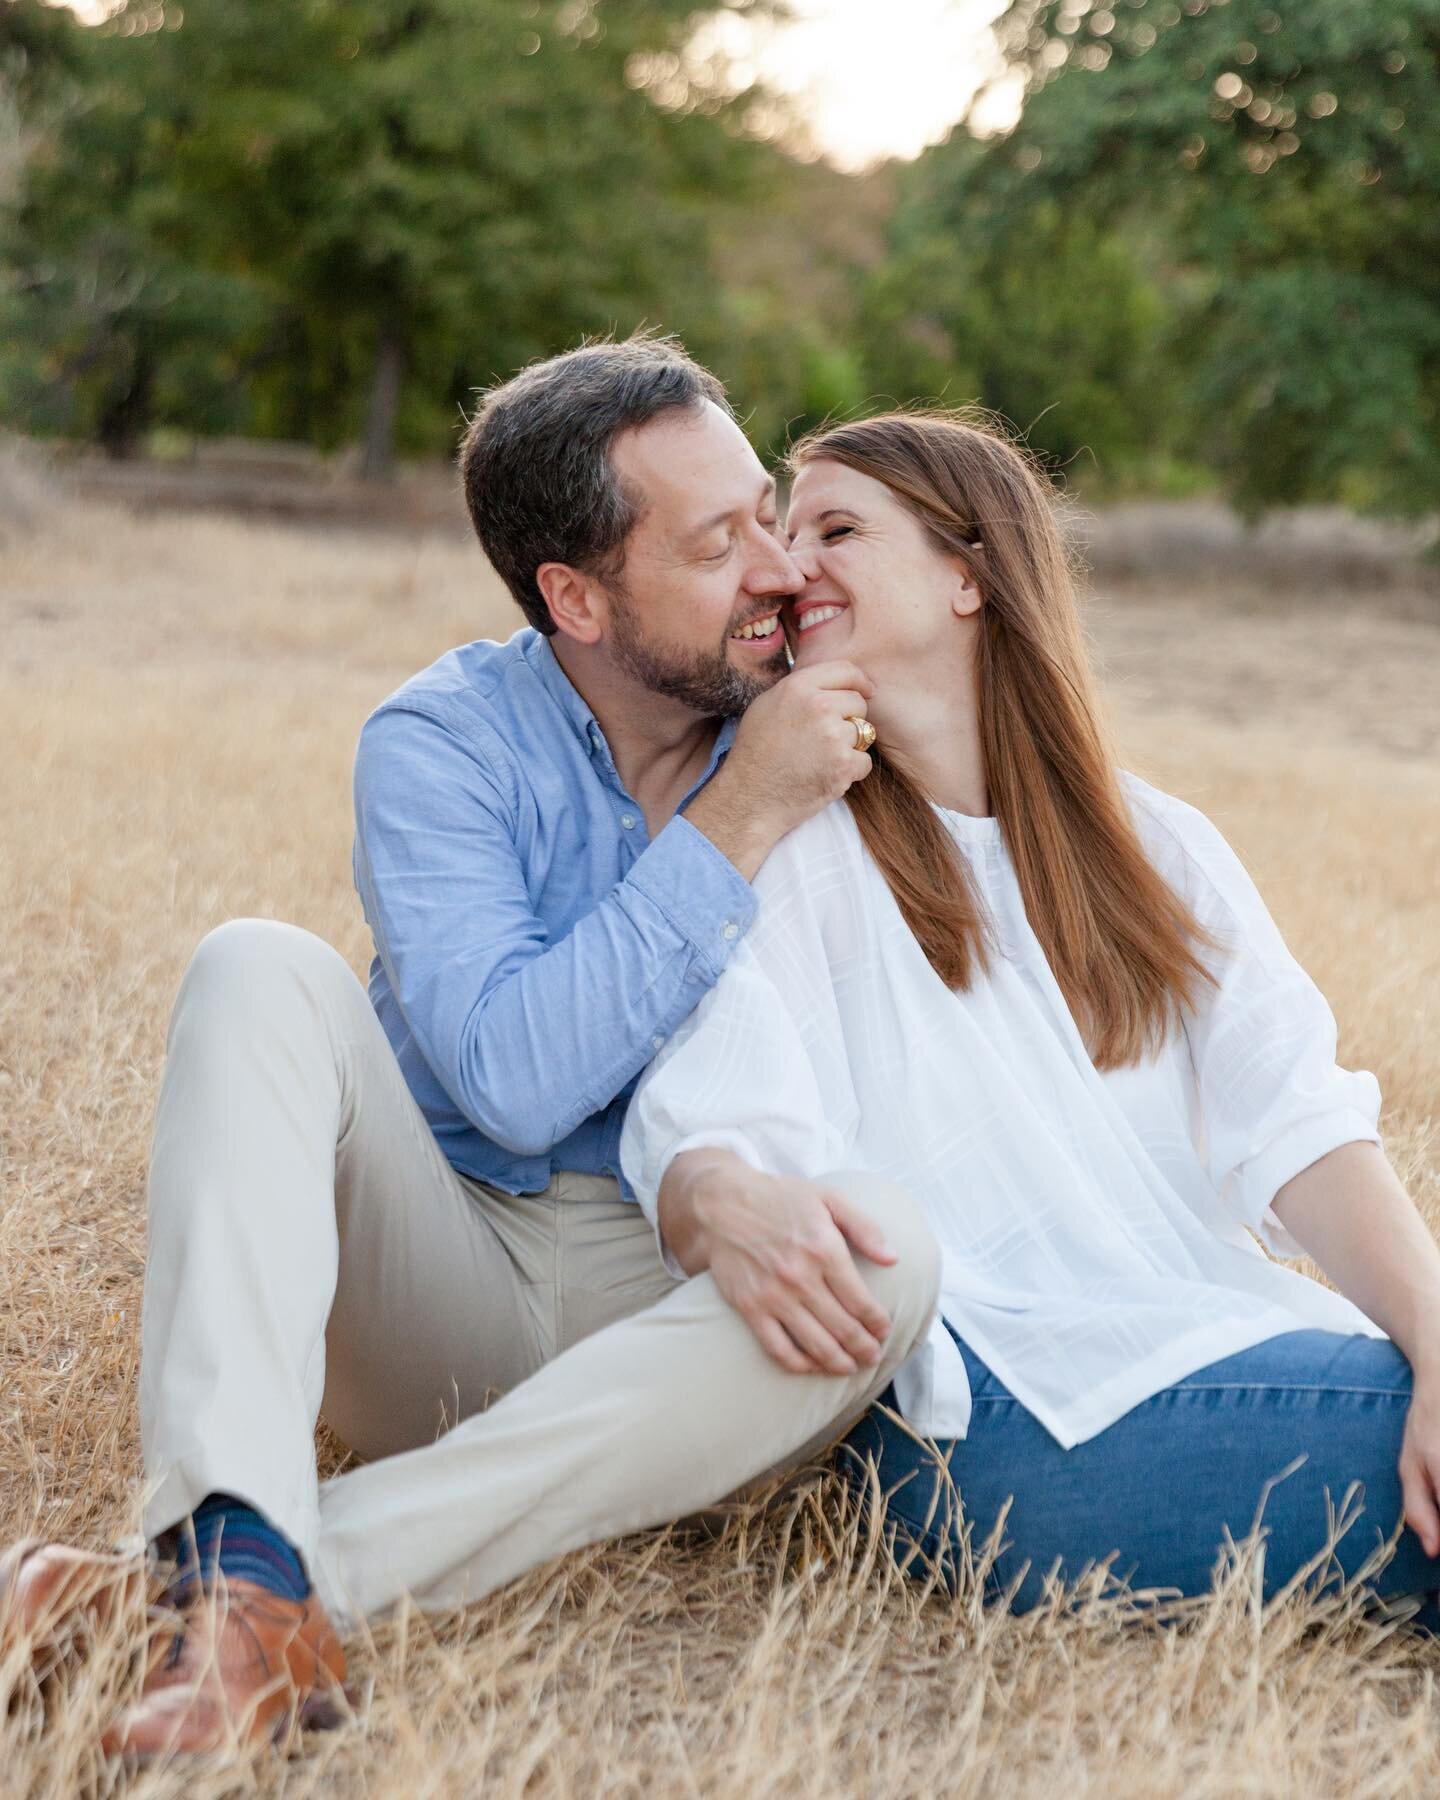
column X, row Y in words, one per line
column 1291, row 158
column 337, row 216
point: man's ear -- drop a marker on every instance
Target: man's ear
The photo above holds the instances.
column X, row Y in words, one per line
column 575, row 603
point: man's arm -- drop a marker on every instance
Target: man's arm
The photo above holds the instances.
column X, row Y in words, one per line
column 530, row 1037
column 527, row 1035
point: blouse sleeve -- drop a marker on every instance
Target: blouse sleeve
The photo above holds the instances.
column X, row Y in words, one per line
column 1272, row 1096
column 760, row 1066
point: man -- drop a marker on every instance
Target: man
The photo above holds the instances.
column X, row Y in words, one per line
column 384, row 1211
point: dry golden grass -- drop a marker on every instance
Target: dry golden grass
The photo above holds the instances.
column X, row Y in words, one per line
column 181, row 699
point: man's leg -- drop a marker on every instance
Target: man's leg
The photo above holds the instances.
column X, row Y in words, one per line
column 290, row 1165
column 647, row 1419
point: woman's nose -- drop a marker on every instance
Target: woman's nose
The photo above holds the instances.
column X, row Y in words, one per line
column 804, row 559
column 780, row 569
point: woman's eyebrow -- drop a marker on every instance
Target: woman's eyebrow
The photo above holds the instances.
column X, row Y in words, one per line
column 833, row 512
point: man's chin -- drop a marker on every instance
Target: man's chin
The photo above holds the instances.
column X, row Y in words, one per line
column 755, row 679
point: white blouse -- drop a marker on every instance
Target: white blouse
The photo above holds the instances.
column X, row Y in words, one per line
column 1093, row 1225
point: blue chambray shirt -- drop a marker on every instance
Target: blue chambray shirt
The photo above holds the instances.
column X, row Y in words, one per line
column 534, row 946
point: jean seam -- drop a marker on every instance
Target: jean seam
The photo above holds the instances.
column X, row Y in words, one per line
column 1180, row 1389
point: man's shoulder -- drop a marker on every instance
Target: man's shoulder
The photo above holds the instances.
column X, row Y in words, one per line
column 465, row 683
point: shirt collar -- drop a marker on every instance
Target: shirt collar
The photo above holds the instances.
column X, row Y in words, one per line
column 543, row 660
column 558, row 685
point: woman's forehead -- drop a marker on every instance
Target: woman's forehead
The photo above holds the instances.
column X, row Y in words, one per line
column 821, row 484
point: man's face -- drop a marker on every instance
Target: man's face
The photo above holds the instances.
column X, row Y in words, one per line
column 706, row 562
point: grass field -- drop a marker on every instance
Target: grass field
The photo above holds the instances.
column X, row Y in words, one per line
column 181, row 698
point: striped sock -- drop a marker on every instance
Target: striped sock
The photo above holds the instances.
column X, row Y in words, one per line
column 225, row 1533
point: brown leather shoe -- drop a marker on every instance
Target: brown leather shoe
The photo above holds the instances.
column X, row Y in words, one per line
column 47, row 1588
column 241, row 1666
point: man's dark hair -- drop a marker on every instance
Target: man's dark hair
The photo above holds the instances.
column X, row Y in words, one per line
column 536, row 459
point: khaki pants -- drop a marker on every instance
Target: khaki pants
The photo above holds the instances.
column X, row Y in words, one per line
column 312, row 1252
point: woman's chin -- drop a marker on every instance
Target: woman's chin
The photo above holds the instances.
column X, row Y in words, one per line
column 822, row 643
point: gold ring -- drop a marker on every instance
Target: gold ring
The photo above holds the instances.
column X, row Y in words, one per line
column 864, row 732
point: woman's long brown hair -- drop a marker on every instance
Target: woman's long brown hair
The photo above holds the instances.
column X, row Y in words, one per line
column 1122, row 945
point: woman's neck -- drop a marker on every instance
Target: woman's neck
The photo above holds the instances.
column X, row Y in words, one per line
column 935, row 733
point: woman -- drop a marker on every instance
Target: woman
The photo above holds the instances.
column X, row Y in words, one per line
column 1047, row 999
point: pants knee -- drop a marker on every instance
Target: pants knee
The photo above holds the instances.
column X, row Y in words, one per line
column 250, row 954
column 908, row 1288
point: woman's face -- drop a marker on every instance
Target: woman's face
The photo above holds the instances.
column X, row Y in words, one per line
column 877, row 591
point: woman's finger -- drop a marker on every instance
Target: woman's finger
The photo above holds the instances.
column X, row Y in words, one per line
column 839, row 1319
column 817, row 1343
column 780, row 1347
column 1421, row 1513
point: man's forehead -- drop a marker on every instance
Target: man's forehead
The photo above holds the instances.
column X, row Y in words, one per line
column 691, row 463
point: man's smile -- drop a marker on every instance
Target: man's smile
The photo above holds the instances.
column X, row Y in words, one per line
column 758, row 630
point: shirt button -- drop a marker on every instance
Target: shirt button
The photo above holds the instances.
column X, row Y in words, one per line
column 657, row 1042
column 729, row 930
column 628, row 821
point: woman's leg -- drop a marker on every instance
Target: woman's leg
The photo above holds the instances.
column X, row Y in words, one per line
column 1159, row 1492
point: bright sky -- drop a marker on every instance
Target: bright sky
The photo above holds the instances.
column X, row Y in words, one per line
column 881, row 78
column 875, row 78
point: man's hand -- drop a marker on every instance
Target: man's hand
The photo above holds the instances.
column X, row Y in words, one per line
column 793, row 754
column 781, row 1253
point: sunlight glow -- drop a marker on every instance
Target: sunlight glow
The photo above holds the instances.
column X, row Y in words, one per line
column 881, row 78
column 870, row 78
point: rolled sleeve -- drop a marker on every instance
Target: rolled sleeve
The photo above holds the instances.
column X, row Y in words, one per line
column 1261, row 1177
column 1273, row 1097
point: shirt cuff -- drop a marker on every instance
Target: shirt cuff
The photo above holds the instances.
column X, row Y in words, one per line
column 698, row 889
column 1259, row 1180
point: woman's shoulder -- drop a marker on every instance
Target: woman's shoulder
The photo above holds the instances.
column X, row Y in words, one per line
column 821, row 851
column 1159, row 814
column 1183, row 842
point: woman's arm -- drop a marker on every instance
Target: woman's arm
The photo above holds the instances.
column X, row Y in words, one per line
column 750, row 1104
column 1352, row 1216
column 1292, row 1141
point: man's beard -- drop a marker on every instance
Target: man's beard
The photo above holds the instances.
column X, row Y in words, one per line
column 708, row 683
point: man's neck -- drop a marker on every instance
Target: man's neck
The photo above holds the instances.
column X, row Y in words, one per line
column 660, row 746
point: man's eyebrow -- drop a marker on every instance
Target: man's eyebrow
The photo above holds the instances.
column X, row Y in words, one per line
column 728, row 512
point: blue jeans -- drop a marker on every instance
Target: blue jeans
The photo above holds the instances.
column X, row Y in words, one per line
column 1159, row 1490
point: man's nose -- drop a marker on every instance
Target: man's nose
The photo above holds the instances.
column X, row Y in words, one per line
column 777, row 571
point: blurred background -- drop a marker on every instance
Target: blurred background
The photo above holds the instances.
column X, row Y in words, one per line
column 1190, row 248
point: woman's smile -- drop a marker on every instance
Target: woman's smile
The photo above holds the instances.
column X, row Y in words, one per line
column 811, row 614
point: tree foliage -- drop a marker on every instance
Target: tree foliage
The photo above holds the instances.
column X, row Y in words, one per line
column 336, row 216
column 1275, row 166
column 1210, row 244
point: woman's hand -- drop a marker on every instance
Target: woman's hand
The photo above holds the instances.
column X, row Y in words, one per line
column 1420, row 1461
column 781, row 1253
column 1351, row 1213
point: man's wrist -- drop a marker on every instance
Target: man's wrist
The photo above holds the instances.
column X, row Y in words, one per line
column 744, row 833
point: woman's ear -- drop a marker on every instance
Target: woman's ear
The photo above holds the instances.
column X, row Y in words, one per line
column 966, row 598
column 574, row 605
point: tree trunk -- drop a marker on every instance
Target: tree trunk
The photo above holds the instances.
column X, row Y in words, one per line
column 377, row 455
column 125, row 411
